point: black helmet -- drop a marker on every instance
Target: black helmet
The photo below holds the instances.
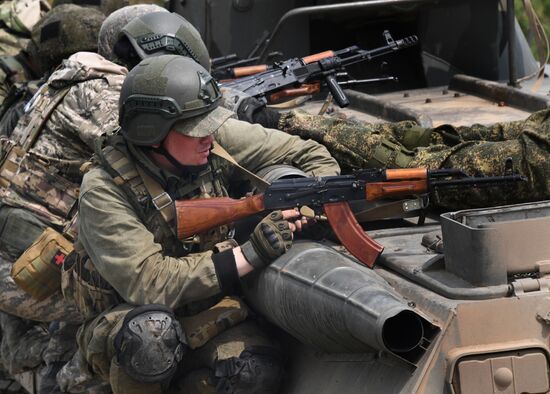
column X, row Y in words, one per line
column 169, row 92
column 161, row 33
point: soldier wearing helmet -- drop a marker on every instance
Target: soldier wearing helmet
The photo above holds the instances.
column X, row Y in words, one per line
column 40, row 169
column 55, row 37
column 356, row 144
column 170, row 120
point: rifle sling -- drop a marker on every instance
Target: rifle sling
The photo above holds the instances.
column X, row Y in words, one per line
column 253, row 178
column 161, row 200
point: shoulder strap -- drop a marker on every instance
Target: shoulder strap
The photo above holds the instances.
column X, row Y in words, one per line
column 119, row 179
column 257, row 181
column 160, row 199
column 42, row 112
column 131, row 177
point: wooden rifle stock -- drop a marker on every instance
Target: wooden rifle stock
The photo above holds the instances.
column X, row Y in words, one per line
column 202, row 214
column 306, row 88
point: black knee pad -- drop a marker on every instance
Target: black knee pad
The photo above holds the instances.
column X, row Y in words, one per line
column 258, row 369
column 150, row 343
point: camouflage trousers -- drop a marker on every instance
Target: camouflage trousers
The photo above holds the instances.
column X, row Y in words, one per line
column 196, row 371
column 27, row 344
column 478, row 150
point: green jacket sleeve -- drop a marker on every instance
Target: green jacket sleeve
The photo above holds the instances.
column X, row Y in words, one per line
column 255, row 147
column 125, row 254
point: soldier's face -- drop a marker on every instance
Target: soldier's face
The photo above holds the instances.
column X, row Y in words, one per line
column 188, row 151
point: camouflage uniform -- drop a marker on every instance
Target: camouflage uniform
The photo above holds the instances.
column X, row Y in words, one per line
column 478, row 150
column 143, row 264
column 17, row 18
column 16, row 69
column 91, row 86
column 65, row 141
column 23, row 73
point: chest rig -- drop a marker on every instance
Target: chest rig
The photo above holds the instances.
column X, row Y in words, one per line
column 155, row 204
column 24, row 175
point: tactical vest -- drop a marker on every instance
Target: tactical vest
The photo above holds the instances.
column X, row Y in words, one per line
column 115, row 159
column 23, row 174
column 82, row 283
column 47, row 186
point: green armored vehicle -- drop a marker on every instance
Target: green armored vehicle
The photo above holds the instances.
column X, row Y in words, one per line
column 459, row 304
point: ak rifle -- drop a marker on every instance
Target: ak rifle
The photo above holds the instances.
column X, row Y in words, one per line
column 329, row 196
column 318, row 68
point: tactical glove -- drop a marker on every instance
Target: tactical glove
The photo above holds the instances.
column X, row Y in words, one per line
column 271, row 238
column 252, row 110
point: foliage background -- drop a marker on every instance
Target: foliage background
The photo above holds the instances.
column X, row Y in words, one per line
column 542, row 8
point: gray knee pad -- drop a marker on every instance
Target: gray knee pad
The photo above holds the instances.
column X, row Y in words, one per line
column 258, row 369
column 150, row 343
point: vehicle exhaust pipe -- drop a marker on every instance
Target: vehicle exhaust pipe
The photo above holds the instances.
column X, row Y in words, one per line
column 332, row 303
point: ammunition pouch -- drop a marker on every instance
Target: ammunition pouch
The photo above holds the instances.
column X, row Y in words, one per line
column 84, row 287
column 38, row 270
column 29, row 176
column 389, row 154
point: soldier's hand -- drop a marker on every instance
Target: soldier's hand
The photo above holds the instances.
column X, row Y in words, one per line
column 252, row 110
column 271, row 238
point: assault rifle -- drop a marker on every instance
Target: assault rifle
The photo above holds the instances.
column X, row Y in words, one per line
column 329, row 196
column 322, row 67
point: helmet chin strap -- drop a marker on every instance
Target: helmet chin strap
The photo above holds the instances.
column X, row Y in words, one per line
column 185, row 169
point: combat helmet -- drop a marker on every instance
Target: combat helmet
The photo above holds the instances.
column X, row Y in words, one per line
column 161, row 34
column 65, row 30
column 169, row 92
column 113, row 24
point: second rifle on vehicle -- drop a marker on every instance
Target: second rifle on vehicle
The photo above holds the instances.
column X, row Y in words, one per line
column 316, row 69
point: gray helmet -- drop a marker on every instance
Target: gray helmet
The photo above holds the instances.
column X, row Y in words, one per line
column 65, row 30
column 161, row 34
column 169, row 92
column 113, row 24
